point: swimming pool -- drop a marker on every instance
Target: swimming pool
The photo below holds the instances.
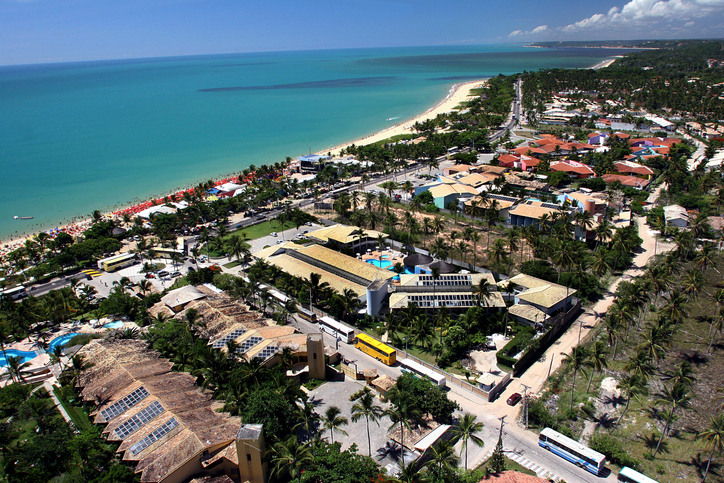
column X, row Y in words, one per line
column 61, row 341
column 113, row 325
column 387, row 264
column 379, row 263
column 25, row 355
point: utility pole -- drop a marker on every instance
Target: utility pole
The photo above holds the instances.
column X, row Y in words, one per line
column 550, row 366
column 525, row 403
column 502, row 422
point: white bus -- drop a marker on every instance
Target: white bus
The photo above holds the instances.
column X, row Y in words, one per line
column 14, row 293
column 417, row 369
column 632, row 476
column 111, row 264
column 336, row 329
column 572, row 450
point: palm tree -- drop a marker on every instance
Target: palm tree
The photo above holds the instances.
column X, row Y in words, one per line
column 677, row 396
column 237, row 247
column 482, row 291
column 713, row 437
column 631, row 385
column 513, row 239
column 578, row 360
column 290, row 458
column 316, row 287
column 333, row 420
column 17, row 368
column 673, row 307
column 365, row 407
column 442, row 459
column 598, row 360
column 475, row 238
column 467, row 430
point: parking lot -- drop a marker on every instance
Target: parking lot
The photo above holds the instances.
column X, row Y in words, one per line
column 337, row 393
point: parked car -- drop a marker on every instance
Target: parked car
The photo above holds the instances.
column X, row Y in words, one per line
column 176, row 274
column 273, row 233
column 514, row 398
column 163, row 273
column 192, row 260
column 150, row 275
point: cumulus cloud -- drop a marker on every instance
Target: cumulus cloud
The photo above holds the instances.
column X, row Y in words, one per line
column 636, row 13
column 643, row 12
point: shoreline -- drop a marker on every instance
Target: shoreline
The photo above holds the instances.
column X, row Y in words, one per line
column 457, row 93
column 605, row 63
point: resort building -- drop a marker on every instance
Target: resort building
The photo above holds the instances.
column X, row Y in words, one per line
column 632, row 181
column 444, row 193
column 455, row 292
column 501, row 202
column 312, row 162
column 347, row 238
column 548, row 297
column 635, row 169
column 676, row 216
column 531, row 212
column 575, row 169
column 338, row 270
column 167, row 426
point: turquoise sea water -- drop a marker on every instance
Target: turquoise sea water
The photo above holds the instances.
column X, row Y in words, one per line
column 83, row 136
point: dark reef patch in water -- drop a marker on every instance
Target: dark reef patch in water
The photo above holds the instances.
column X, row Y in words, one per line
column 352, row 82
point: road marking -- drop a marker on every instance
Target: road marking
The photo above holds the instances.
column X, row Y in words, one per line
column 541, row 472
column 92, row 273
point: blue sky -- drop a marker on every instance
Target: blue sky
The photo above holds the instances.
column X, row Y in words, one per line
column 33, row 31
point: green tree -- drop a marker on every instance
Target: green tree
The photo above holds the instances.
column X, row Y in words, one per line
column 497, row 459
column 332, row 420
column 578, row 360
column 676, row 396
column 466, row 430
column 713, row 438
column 366, row 408
column 289, row 458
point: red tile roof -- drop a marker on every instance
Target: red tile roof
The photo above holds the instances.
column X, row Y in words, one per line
column 508, row 160
column 513, row 477
column 529, row 149
column 631, row 167
column 569, row 166
column 632, row 181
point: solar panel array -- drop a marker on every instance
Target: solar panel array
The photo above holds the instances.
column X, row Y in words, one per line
column 230, row 336
column 157, row 434
column 125, row 403
column 248, row 344
column 454, row 280
column 266, row 352
column 135, row 423
column 447, row 300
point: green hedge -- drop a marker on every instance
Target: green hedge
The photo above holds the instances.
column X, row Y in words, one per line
column 517, row 344
column 613, row 449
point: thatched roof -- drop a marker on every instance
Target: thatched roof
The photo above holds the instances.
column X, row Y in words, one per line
column 417, row 259
column 443, row 266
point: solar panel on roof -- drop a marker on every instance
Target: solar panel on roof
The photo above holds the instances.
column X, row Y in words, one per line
column 140, row 419
column 157, row 434
column 248, row 344
column 125, row 403
column 234, row 334
column 266, row 352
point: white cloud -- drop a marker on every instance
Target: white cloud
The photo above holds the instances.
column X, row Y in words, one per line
column 644, row 12
column 650, row 14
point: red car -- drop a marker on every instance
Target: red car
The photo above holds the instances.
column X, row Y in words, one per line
column 514, row 398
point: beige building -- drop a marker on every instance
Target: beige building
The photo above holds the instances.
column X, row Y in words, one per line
column 453, row 291
column 548, row 297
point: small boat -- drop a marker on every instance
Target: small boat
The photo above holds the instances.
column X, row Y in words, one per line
column 22, row 217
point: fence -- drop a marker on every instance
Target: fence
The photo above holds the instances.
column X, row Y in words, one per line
column 560, row 323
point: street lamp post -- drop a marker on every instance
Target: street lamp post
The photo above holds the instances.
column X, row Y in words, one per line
column 525, row 403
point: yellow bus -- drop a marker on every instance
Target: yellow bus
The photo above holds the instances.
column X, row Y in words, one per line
column 376, row 349
column 116, row 262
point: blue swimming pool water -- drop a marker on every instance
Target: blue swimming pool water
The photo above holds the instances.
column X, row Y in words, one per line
column 60, row 341
column 113, row 325
column 388, row 265
column 26, row 356
column 379, row 263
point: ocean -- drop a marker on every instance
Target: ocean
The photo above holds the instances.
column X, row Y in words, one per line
column 76, row 137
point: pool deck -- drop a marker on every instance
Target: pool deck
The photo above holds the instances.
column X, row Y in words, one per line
column 43, row 359
column 390, row 255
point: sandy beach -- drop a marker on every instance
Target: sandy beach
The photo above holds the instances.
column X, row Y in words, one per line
column 606, row 63
column 458, row 93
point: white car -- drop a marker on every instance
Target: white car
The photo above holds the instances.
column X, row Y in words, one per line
column 273, row 233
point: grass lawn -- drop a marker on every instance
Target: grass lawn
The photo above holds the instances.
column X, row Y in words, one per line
column 261, row 229
column 233, row 264
column 78, row 415
column 313, row 384
column 510, row 465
